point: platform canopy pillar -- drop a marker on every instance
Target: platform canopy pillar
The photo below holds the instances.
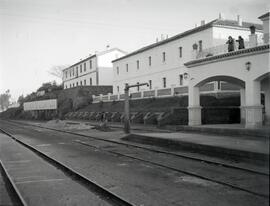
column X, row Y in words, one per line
column 253, row 108
column 242, row 105
column 194, row 108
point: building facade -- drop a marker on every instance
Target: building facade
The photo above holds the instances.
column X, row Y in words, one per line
column 161, row 64
column 95, row 70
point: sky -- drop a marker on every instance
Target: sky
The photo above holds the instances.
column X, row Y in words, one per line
column 37, row 35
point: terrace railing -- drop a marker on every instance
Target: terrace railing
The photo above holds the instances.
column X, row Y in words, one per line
column 220, row 49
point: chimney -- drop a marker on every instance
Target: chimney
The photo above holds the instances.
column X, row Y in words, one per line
column 221, row 16
column 202, row 22
column 161, row 37
column 253, row 40
column 239, row 20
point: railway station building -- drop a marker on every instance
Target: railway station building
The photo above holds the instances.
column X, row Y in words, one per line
column 95, row 70
column 161, row 64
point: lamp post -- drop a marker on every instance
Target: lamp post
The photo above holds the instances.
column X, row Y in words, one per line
column 126, row 120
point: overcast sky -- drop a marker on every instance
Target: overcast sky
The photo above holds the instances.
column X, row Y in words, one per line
column 36, row 35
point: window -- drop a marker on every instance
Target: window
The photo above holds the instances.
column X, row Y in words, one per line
column 70, row 72
column 127, row 67
column 149, row 60
column 66, row 86
column 73, row 85
column 66, row 74
column 150, row 84
column 90, row 81
column 76, row 71
column 84, row 66
column 80, row 68
column 90, row 64
column 118, row 89
column 163, row 56
column 180, row 52
column 81, row 82
column 73, row 72
column 69, row 85
column 181, row 79
column 117, row 70
column 164, row 82
column 138, row 64
column 85, row 82
column 138, row 87
column 200, row 45
column 77, row 83
column 219, row 85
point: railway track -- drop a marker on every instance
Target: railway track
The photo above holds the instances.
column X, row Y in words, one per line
column 151, row 149
column 14, row 196
column 224, row 183
column 103, row 193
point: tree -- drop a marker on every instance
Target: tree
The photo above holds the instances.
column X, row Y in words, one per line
column 20, row 99
column 57, row 71
column 4, row 100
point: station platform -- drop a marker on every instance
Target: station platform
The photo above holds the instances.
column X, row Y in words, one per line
column 234, row 145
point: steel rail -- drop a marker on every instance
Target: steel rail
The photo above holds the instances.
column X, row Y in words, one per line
column 94, row 187
column 153, row 150
column 12, row 186
column 171, row 168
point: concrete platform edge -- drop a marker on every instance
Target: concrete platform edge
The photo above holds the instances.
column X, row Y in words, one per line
column 208, row 149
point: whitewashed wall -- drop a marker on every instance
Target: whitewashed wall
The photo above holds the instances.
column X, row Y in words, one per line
column 40, row 105
column 171, row 68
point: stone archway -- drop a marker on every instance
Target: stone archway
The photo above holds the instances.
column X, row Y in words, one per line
column 265, row 89
column 194, row 107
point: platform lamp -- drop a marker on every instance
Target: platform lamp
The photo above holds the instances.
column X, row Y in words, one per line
column 126, row 121
column 186, row 75
column 248, row 66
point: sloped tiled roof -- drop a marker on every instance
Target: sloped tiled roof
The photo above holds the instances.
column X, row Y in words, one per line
column 216, row 22
column 264, row 15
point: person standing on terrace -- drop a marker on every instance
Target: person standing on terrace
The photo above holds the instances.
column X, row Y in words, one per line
column 241, row 44
column 230, row 43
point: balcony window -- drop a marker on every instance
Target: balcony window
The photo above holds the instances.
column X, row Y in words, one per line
column 126, row 67
column 164, row 82
column 138, row 64
column 163, row 56
column 85, row 82
column 90, row 64
column 80, row 68
column 200, row 45
column 150, row 84
column 149, row 60
column 180, row 52
column 181, row 79
column 84, row 66
column 117, row 70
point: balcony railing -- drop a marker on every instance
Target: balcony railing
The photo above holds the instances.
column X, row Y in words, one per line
column 220, row 49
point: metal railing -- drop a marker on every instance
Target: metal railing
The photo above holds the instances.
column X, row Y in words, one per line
column 221, row 49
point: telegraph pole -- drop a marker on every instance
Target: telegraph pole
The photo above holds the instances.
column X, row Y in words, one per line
column 126, row 121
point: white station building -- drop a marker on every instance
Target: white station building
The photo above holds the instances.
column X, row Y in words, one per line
column 161, row 64
column 94, row 70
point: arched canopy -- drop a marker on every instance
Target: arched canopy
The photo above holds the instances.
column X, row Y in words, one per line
column 263, row 77
column 229, row 79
